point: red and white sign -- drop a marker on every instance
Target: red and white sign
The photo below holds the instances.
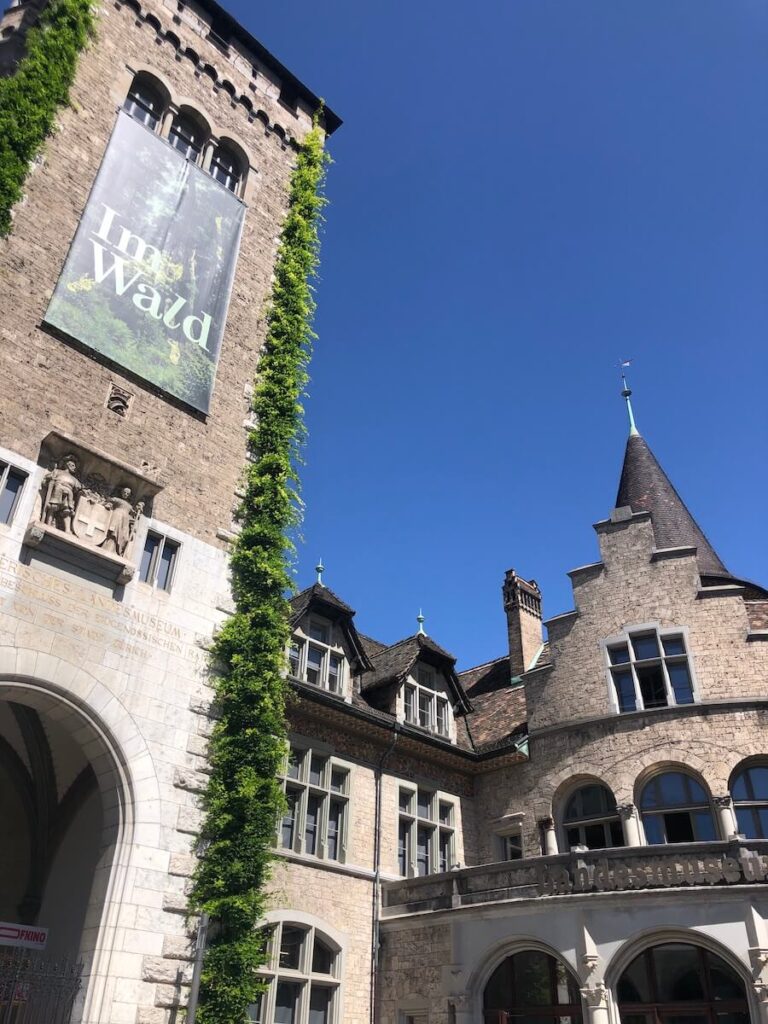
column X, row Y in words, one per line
column 23, row 936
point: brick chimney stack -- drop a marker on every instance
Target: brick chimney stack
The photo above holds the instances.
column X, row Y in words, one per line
column 522, row 603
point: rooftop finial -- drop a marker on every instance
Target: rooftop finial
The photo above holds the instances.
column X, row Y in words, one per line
column 420, row 620
column 320, row 569
column 626, row 394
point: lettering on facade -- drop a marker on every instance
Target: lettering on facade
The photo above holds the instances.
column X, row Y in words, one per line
column 22, row 936
column 608, row 875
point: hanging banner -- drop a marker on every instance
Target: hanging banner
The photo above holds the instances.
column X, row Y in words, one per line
column 148, row 277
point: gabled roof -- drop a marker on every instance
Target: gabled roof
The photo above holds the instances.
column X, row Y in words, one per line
column 322, row 600
column 499, row 712
column 394, row 663
column 645, row 487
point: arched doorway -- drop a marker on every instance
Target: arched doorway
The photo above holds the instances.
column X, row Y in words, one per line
column 63, row 803
column 532, row 987
column 680, row 983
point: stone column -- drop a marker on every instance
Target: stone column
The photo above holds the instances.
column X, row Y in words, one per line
column 725, row 813
column 629, row 824
column 596, row 998
column 547, row 826
column 165, row 129
column 208, row 154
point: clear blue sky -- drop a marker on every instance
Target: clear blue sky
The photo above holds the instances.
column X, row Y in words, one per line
column 524, row 193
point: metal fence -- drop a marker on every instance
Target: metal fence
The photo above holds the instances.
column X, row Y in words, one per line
column 36, row 990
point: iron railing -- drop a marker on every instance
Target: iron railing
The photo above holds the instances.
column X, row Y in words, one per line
column 36, row 990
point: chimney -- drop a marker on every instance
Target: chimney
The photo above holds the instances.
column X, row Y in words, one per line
column 522, row 603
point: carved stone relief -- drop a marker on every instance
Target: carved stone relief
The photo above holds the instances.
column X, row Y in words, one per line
column 92, row 501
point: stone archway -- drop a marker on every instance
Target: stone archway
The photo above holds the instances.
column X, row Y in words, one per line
column 72, row 755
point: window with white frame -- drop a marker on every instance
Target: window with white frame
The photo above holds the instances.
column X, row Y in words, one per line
column 317, row 794
column 315, row 657
column 158, row 561
column 426, row 832
column 424, row 705
column 650, row 668
column 11, row 486
column 302, row 974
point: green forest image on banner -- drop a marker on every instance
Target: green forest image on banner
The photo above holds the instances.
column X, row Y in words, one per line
column 148, row 277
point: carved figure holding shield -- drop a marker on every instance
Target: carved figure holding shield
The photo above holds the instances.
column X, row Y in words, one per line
column 61, row 487
column 121, row 524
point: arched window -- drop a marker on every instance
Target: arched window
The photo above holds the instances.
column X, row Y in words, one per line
column 303, row 978
column 532, row 986
column 591, row 820
column 676, row 809
column 226, row 167
column 676, row 982
column 749, row 791
column 188, row 136
column 145, row 101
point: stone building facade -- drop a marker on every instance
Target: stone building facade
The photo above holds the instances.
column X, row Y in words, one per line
column 576, row 830
column 116, row 504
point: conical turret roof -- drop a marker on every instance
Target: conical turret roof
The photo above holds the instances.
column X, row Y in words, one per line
column 645, row 487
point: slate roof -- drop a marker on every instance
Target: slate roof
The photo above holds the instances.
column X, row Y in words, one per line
column 645, row 487
column 317, row 592
column 499, row 712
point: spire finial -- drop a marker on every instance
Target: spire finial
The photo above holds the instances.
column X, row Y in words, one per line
column 320, row 569
column 626, row 394
column 420, row 620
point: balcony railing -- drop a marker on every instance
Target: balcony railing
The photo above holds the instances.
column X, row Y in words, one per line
column 736, row 862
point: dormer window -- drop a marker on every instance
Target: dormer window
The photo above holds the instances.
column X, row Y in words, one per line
column 315, row 659
column 424, row 705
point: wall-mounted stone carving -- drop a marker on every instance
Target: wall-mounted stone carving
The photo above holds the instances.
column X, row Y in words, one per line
column 92, row 504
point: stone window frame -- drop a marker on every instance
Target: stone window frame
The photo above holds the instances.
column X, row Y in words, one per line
column 410, row 822
column 302, row 640
column 8, row 469
column 662, row 632
column 507, row 828
column 151, row 580
column 213, row 149
column 273, row 973
column 305, row 789
column 414, row 688
column 690, row 807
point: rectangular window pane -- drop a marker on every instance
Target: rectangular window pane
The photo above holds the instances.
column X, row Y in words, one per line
column 287, row 1002
column 616, row 833
column 594, row 836
column 10, row 494
column 338, row 780
column 403, row 847
column 444, row 852
column 619, row 655
column 319, row 1005
column 334, row 673
column 645, row 647
column 291, row 942
column 680, row 679
column 166, row 564
column 316, row 769
column 513, row 846
column 406, row 797
column 445, row 813
column 703, row 826
column 625, row 691
column 148, row 556
column 319, row 631
column 423, row 859
column 442, row 716
column 288, row 830
column 654, row 831
column 295, row 657
column 312, row 824
column 652, row 690
column 673, row 645
column 573, row 837
column 410, row 704
column 678, row 827
column 424, row 803
column 425, row 709
column 253, row 1013
column 314, row 665
column 294, row 763
column 335, row 827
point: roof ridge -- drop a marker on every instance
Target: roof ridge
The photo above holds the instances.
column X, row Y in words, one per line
column 483, row 664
